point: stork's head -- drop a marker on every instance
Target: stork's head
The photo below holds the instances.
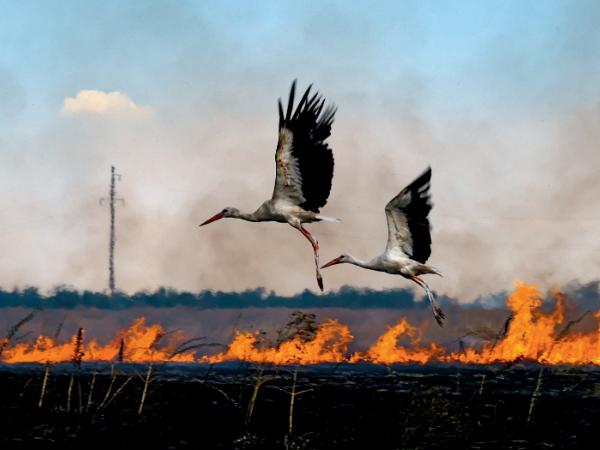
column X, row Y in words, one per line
column 343, row 258
column 227, row 212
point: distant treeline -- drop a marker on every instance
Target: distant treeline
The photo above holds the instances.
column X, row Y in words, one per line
column 346, row 297
column 584, row 296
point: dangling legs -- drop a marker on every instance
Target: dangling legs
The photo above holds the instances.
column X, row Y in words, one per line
column 315, row 246
column 438, row 314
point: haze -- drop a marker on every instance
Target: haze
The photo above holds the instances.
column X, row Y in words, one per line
column 502, row 99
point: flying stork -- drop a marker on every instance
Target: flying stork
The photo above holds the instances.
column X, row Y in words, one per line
column 303, row 170
column 409, row 239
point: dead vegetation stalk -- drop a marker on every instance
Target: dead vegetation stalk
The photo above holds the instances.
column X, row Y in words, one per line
column 49, row 364
column 113, row 377
column 259, row 381
column 145, row 391
column 118, row 391
column 482, row 384
column 293, row 395
column 69, row 392
column 91, row 392
column 44, row 384
column 535, row 394
column 76, row 360
column 15, row 328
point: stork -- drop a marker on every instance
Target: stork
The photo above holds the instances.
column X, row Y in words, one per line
column 303, row 170
column 409, row 239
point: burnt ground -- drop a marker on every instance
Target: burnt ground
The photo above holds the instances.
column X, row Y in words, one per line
column 347, row 406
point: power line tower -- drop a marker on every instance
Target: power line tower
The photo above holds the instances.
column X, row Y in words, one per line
column 112, row 198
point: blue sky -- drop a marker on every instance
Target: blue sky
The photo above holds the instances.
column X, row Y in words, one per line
column 501, row 97
column 468, row 55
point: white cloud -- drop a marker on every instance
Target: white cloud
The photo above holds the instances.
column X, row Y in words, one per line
column 102, row 103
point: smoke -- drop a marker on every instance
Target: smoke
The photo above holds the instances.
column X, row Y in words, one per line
column 514, row 169
column 518, row 219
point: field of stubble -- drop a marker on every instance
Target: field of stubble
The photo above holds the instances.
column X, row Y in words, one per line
column 243, row 406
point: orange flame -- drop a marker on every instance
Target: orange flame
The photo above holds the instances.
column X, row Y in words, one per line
column 532, row 335
column 139, row 345
column 330, row 344
column 387, row 351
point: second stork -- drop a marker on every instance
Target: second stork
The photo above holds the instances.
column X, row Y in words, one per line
column 409, row 239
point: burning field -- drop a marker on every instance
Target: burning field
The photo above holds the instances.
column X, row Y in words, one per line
column 528, row 334
column 532, row 383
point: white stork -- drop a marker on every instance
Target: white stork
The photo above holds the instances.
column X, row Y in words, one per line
column 304, row 170
column 409, row 239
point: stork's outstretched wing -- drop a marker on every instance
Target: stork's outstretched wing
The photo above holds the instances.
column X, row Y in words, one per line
column 304, row 162
column 408, row 225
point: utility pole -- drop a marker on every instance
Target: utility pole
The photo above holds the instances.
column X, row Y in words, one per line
column 114, row 177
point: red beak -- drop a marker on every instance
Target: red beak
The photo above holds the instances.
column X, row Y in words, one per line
column 213, row 219
column 333, row 262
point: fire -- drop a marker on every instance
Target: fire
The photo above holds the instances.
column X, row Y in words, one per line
column 330, row 344
column 387, row 350
column 138, row 343
column 531, row 335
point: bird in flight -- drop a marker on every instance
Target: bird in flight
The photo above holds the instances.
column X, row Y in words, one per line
column 303, row 170
column 409, row 239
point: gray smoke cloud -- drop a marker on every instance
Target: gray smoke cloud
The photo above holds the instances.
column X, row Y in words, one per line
column 502, row 211
column 514, row 184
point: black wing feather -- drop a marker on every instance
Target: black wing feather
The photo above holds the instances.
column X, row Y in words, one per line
column 309, row 130
column 417, row 213
column 281, row 118
column 410, row 209
column 302, row 102
column 290, row 106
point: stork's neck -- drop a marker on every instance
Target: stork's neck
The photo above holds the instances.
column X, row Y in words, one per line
column 359, row 262
column 249, row 217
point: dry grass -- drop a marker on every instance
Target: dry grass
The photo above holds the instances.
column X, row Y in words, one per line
column 13, row 330
column 536, row 393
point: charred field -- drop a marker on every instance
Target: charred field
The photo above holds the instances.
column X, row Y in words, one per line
column 325, row 406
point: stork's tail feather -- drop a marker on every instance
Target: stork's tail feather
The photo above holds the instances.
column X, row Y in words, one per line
column 433, row 270
column 323, row 218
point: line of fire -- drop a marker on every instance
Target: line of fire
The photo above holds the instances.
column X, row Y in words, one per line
column 529, row 334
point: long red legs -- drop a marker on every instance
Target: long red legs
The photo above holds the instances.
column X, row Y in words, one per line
column 438, row 314
column 315, row 246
